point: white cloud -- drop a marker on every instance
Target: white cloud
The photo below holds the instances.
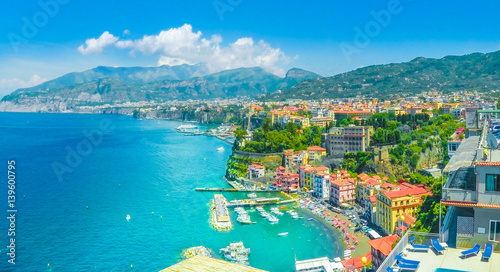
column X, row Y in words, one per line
column 12, row 84
column 126, row 32
column 96, row 46
column 183, row 45
column 165, row 60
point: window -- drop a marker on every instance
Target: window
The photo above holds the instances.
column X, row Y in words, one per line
column 494, row 230
column 492, row 182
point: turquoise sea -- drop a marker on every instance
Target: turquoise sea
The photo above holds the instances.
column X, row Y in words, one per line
column 71, row 209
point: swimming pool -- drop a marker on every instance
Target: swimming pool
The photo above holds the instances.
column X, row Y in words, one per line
column 447, row 270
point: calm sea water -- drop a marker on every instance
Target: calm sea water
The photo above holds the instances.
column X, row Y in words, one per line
column 141, row 168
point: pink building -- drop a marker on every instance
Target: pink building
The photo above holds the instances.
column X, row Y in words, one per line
column 285, row 179
column 342, row 191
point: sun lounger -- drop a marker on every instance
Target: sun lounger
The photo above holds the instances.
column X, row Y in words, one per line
column 472, row 251
column 406, row 261
column 390, row 269
column 417, row 247
column 437, row 246
column 488, row 249
column 408, row 267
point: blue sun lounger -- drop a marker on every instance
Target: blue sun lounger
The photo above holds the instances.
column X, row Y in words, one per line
column 400, row 259
column 488, row 249
column 417, row 247
column 437, row 246
column 472, row 251
column 408, row 267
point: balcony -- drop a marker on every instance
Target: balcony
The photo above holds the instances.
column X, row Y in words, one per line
column 461, row 186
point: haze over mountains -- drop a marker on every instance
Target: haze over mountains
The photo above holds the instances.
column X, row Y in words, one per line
column 475, row 71
column 115, row 85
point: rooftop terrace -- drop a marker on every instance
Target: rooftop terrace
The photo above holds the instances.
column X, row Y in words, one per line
column 451, row 259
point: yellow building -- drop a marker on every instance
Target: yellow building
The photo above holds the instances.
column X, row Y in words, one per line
column 308, row 173
column 315, row 153
column 392, row 204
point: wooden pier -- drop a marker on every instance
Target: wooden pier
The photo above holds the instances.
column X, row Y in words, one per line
column 234, row 190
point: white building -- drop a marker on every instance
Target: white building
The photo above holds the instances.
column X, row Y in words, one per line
column 256, row 171
column 321, row 186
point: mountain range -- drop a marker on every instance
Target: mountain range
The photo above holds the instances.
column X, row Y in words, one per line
column 475, row 71
column 113, row 85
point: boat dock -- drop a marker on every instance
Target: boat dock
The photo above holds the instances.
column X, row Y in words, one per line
column 258, row 202
column 233, row 190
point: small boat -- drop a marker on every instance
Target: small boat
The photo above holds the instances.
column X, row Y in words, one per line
column 310, row 219
column 236, row 252
column 283, row 234
column 252, row 195
column 272, row 219
column 220, row 149
column 244, row 219
column 128, row 217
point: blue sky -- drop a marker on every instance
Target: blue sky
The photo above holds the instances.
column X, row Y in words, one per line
column 42, row 40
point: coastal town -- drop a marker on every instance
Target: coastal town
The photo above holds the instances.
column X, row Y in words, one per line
column 259, row 136
column 376, row 205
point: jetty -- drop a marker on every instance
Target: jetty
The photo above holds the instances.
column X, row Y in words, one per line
column 203, row 189
column 258, row 202
column 220, row 214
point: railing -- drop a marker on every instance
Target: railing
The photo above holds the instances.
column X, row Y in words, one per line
column 420, row 238
column 445, row 229
column 389, row 261
column 459, row 194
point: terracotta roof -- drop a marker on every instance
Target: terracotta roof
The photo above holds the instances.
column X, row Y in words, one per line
column 371, row 181
column 257, row 166
column 384, row 244
column 409, row 220
column 356, row 262
column 470, row 204
column 376, row 177
column 316, row 148
column 281, row 168
column 373, row 198
column 341, row 183
column 487, row 163
column 403, row 192
column 321, row 168
column 362, row 175
column 388, row 185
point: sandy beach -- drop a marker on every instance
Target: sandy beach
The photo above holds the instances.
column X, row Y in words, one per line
column 361, row 248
